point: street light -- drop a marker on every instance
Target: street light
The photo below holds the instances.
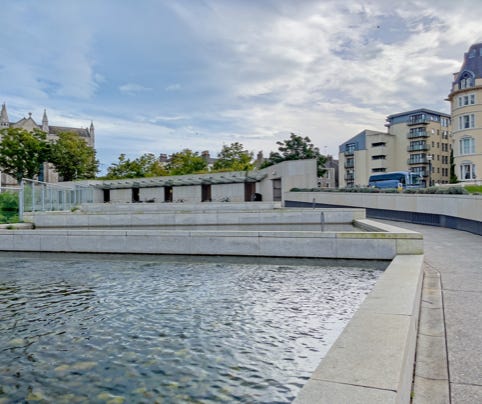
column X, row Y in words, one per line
column 429, row 159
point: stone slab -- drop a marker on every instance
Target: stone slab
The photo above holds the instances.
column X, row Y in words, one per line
column 429, row 391
column 463, row 319
column 317, row 391
column 431, row 359
column 466, row 394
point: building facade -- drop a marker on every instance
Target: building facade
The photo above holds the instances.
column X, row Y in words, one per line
column 423, row 143
column 364, row 154
column 47, row 172
column 417, row 141
column 466, row 108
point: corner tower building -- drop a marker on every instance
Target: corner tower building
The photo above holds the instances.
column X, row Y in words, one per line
column 466, row 110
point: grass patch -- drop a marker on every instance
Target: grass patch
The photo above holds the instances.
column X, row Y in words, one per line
column 474, row 189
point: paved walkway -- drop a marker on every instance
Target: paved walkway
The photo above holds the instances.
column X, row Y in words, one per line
column 449, row 347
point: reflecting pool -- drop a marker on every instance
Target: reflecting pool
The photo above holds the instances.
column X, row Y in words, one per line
column 169, row 329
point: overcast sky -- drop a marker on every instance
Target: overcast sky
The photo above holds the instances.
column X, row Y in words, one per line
column 160, row 76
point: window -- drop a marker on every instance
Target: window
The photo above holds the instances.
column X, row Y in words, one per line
column 466, row 100
column 379, row 157
column 444, row 122
column 467, row 121
column 350, row 148
column 467, row 171
column 378, row 144
column 378, row 170
column 467, row 145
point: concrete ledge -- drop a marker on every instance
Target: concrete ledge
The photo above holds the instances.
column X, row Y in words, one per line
column 372, row 360
column 309, row 244
column 157, row 216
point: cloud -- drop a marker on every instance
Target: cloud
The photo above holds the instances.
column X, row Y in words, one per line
column 132, row 89
column 249, row 71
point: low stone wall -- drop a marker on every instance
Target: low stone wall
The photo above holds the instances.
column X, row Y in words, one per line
column 461, row 212
column 148, row 215
column 372, row 360
column 307, row 244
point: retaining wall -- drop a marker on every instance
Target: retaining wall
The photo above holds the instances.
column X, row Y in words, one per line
column 461, row 212
column 372, row 360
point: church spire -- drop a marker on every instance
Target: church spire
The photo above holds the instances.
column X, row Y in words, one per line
column 4, row 117
column 45, row 122
column 92, row 133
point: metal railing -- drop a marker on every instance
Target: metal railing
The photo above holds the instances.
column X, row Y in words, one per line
column 37, row 196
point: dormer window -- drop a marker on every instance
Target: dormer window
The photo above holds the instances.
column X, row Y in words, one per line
column 466, row 80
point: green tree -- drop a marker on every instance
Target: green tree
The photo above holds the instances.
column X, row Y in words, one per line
column 73, row 158
column 296, row 148
column 186, row 162
column 453, row 176
column 234, row 158
column 146, row 165
column 22, row 152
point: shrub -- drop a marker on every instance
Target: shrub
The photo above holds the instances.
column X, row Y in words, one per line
column 8, row 201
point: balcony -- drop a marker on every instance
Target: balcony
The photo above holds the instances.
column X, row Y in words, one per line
column 349, row 164
column 418, row 147
column 422, row 160
column 413, row 135
column 418, row 121
column 349, row 152
column 349, row 177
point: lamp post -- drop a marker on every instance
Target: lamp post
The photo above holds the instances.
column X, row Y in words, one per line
column 429, row 159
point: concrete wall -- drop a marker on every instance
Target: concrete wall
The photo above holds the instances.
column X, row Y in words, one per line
column 461, row 206
column 372, row 360
column 302, row 244
column 235, row 192
column 187, row 193
column 293, row 174
column 147, row 194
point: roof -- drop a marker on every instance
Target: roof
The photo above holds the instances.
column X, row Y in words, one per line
column 55, row 130
column 179, row 180
column 472, row 62
column 417, row 111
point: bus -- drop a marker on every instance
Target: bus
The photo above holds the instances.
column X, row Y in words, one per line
column 396, row 179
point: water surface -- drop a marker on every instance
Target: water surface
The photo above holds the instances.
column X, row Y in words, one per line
column 147, row 329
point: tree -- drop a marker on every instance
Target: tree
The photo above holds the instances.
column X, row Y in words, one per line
column 186, row 162
column 453, row 176
column 73, row 158
column 296, row 148
column 22, row 152
column 146, row 165
column 234, row 158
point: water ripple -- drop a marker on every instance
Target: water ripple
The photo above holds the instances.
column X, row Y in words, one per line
column 117, row 330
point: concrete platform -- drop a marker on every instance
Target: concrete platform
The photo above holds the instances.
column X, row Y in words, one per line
column 449, row 353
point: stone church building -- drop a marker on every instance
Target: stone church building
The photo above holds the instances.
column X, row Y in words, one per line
column 48, row 173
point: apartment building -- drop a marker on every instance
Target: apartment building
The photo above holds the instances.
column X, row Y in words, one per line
column 466, row 109
column 416, row 141
column 423, row 143
column 366, row 153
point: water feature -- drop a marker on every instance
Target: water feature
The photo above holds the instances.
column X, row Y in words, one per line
column 79, row 328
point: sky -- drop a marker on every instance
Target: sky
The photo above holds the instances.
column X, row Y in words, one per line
column 160, row 76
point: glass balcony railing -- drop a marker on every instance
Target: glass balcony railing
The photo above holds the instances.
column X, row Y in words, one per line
column 412, row 135
column 418, row 147
column 422, row 160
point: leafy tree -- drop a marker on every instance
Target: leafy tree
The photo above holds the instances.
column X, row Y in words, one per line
column 146, row 165
column 186, row 162
column 22, row 152
column 73, row 158
column 234, row 158
column 296, row 148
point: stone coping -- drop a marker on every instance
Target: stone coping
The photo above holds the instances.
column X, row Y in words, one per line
column 372, row 360
column 306, row 244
